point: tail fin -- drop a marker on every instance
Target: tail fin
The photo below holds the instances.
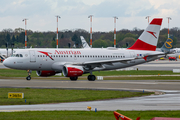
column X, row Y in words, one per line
column 84, row 43
column 149, row 38
column 167, row 45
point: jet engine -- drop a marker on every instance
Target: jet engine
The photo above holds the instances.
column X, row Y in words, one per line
column 72, row 71
column 45, row 73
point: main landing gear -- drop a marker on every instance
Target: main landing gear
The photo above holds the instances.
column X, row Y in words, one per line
column 29, row 75
column 91, row 77
column 73, row 78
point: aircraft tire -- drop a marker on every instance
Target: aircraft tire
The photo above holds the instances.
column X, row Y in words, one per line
column 73, row 78
column 28, row 78
column 91, row 77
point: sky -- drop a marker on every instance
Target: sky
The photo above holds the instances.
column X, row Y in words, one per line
column 74, row 14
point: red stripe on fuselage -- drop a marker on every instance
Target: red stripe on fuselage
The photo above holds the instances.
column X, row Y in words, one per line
column 156, row 21
column 140, row 45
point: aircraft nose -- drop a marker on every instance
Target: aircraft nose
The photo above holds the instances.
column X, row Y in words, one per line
column 6, row 63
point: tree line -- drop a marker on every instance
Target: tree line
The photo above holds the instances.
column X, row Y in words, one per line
column 36, row 39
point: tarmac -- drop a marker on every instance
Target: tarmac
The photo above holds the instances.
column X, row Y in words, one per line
column 167, row 92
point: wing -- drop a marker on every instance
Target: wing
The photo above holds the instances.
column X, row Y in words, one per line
column 90, row 65
column 108, row 61
column 153, row 56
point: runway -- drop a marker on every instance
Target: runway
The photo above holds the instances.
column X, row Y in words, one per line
column 168, row 101
column 134, row 85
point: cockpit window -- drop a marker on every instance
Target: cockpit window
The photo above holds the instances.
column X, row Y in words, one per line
column 17, row 55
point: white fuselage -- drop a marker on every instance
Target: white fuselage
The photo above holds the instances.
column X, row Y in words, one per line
column 34, row 59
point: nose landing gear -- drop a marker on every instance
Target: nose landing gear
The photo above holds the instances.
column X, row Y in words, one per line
column 29, row 75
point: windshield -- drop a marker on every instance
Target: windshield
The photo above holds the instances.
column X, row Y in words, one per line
column 17, row 55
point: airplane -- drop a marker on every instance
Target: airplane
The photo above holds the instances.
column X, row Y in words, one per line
column 3, row 52
column 167, row 46
column 76, row 62
column 84, row 43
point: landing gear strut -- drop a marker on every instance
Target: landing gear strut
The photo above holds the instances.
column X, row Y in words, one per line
column 29, row 75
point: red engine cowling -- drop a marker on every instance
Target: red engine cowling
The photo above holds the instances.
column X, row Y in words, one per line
column 45, row 73
column 72, row 71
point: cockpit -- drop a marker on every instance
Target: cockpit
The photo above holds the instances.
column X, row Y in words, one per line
column 16, row 55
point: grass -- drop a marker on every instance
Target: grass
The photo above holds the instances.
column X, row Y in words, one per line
column 84, row 115
column 40, row 96
column 15, row 73
column 23, row 73
column 108, row 75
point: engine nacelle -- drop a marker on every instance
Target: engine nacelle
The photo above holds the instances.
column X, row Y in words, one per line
column 45, row 73
column 72, row 71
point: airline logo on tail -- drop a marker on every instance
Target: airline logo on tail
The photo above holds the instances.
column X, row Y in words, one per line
column 168, row 43
column 152, row 33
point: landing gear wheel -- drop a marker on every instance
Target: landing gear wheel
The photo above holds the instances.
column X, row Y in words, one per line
column 91, row 77
column 28, row 77
column 73, row 78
